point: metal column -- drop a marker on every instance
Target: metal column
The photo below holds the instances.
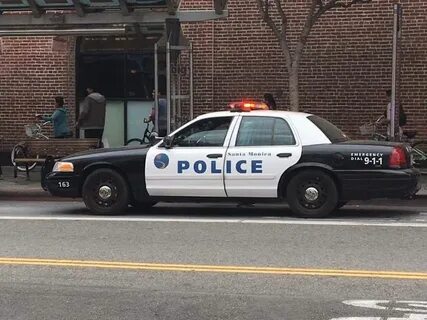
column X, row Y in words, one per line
column 156, row 87
column 168, row 86
column 395, row 86
column 191, row 83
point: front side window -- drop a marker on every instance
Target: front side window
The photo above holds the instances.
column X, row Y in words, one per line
column 264, row 131
column 209, row 132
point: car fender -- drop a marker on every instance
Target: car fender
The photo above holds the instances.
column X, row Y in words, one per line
column 288, row 174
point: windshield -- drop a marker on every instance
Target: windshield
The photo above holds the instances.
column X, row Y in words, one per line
column 331, row 131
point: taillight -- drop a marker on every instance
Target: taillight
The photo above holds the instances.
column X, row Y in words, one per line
column 397, row 158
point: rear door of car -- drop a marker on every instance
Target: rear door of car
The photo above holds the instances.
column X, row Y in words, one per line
column 261, row 150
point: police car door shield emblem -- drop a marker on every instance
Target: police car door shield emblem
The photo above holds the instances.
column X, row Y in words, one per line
column 161, row 161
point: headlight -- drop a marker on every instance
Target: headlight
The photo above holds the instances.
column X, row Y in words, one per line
column 63, row 167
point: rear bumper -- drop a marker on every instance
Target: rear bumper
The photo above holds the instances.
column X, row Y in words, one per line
column 63, row 184
column 372, row 184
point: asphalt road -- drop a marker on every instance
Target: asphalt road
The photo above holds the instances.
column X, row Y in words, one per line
column 182, row 261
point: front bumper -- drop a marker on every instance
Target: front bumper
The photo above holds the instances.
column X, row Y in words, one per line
column 61, row 184
column 373, row 184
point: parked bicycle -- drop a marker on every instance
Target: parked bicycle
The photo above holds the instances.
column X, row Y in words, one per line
column 419, row 147
column 34, row 131
column 145, row 138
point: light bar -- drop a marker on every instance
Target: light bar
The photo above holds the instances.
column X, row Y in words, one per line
column 248, row 105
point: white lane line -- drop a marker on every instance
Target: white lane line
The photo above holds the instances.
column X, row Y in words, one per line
column 231, row 220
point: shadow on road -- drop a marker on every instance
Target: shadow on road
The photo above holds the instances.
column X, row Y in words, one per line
column 352, row 211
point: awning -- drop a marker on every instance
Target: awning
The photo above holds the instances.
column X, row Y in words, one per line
column 79, row 17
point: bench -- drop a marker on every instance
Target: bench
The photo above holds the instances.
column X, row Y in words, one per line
column 38, row 151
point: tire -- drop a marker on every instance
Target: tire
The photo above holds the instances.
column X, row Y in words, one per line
column 313, row 184
column 113, row 198
column 19, row 151
column 134, row 141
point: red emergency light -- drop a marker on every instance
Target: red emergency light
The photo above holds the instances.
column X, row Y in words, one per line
column 248, row 105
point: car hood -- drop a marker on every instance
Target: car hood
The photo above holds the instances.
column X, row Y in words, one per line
column 105, row 152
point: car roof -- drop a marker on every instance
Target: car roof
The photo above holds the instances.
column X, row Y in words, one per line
column 264, row 113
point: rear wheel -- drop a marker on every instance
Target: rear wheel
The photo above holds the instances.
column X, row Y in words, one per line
column 312, row 194
column 18, row 151
column 105, row 191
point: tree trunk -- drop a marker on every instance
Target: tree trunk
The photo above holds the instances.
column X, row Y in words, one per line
column 294, row 86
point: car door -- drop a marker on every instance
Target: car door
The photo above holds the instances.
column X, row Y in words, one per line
column 261, row 150
column 193, row 167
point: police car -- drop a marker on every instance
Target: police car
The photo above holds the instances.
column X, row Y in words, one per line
column 245, row 154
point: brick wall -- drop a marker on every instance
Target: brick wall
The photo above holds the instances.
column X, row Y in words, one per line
column 345, row 70
column 32, row 72
column 344, row 73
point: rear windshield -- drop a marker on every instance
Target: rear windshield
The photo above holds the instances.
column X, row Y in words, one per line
column 332, row 132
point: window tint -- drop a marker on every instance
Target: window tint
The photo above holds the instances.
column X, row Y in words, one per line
column 204, row 133
column 264, row 131
column 332, row 132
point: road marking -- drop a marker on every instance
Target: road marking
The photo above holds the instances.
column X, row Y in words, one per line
column 214, row 268
column 323, row 222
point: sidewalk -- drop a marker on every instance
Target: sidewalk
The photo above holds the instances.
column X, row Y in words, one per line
column 21, row 188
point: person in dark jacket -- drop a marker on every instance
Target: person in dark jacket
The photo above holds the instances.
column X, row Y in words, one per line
column 92, row 115
column 269, row 100
column 58, row 119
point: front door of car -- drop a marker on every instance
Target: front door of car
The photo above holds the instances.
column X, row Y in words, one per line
column 261, row 150
column 193, row 165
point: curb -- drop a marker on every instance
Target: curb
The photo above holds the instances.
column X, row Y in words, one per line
column 39, row 195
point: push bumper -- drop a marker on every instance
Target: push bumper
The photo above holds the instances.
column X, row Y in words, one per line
column 63, row 184
column 363, row 185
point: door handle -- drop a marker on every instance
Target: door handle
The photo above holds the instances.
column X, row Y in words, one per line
column 214, row 155
column 284, row 155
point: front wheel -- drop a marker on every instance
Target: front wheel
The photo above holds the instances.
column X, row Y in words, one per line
column 105, row 191
column 312, row 194
column 18, row 151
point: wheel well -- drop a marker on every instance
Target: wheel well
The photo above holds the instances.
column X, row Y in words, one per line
column 287, row 176
column 92, row 168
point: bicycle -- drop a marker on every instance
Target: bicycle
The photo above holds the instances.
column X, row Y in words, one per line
column 19, row 150
column 418, row 147
column 145, row 138
column 370, row 129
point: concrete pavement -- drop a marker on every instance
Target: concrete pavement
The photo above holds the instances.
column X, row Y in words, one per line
column 217, row 236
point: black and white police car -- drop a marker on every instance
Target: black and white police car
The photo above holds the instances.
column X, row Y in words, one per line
column 244, row 154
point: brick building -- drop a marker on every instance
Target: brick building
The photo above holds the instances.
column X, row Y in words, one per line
column 344, row 73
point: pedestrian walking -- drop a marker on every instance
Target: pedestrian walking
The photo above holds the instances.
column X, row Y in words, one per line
column 59, row 119
column 91, row 120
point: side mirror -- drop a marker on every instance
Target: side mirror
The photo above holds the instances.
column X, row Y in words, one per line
column 168, row 142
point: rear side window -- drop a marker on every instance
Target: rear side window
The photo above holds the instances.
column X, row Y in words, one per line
column 332, row 132
column 264, row 131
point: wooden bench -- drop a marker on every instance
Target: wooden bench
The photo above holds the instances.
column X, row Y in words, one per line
column 37, row 151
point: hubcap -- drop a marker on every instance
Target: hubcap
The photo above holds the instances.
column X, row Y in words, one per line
column 105, row 192
column 311, row 194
